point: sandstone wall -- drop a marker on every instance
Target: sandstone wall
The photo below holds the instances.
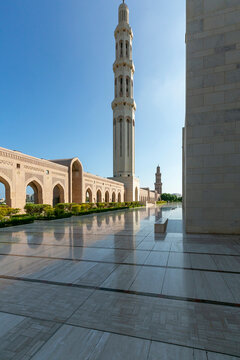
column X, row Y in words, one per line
column 212, row 130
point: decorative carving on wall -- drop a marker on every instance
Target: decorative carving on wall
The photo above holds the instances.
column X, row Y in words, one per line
column 58, row 180
column 58, row 174
column 32, row 168
column 5, row 162
column 7, row 172
column 42, row 163
column 37, row 176
column 88, row 186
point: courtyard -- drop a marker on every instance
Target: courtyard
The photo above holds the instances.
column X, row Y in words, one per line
column 106, row 287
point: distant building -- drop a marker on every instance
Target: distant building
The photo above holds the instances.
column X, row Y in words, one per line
column 2, row 201
column 30, row 198
column 158, row 183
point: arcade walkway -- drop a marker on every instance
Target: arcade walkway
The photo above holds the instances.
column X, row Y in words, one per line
column 104, row 287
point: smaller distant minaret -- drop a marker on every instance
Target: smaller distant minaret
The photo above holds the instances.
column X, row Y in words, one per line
column 158, row 183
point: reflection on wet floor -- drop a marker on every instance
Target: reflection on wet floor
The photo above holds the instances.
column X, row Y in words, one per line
column 119, row 252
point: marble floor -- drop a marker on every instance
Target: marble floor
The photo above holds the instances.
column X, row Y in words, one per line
column 106, row 287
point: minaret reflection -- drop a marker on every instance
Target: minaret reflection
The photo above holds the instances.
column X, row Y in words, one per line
column 33, row 239
column 125, row 238
column 158, row 213
column 76, row 238
column 59, row 236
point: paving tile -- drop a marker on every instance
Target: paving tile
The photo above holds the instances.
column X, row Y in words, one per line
column 117, row 347
column 227, row 263
column 137, row 257
column 199, row 355
column 205, row 249
column 146, row 245
column 149, row 280
column 179, row 282
column 70, row 343
column 214, row 356
column 233, row 283
column 87, row 251
column 211, row 286
column 201, row 261
column 197, row 284
column 162, row 246
column 8, row 321
column 109, row 255
column 172, row 321
column 171, row 352
column 122, row 277
column 44, row 301
column 179, row 260
column 157, row 258
column 69, row 272
column 23, row 338
column 79, row 343
column 96, row 275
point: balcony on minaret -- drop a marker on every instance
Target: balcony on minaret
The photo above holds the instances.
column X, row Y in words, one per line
column 124, row 62
column 125, row 101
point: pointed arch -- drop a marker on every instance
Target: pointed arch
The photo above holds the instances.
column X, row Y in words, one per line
column 107, row 196
column 114, row 197
column 128, row 86
column 77, row 181
column 99, row 196
column 136, row 193
column 37, row 190
column 120, row 82
column 128, row 135
column 119, row 197
column 8, row 192
column 121, row 136
column 58, row 194
column 127, row 48
column 121, row 48
column 89, row 198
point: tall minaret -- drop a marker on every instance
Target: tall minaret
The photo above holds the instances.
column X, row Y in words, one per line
column 158, row 183
column 123, row 104
column 124, row 108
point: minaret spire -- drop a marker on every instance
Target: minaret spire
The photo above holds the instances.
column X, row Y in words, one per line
column 124, row 107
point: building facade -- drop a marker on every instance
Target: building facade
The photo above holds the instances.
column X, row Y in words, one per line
column 53, row 181
column 124, row 108
column 148, row 196
column 211, row 137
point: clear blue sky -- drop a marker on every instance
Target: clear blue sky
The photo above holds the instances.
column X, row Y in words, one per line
column 56, row 82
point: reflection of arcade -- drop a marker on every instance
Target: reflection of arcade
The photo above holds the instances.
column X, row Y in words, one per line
column 78, row 234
